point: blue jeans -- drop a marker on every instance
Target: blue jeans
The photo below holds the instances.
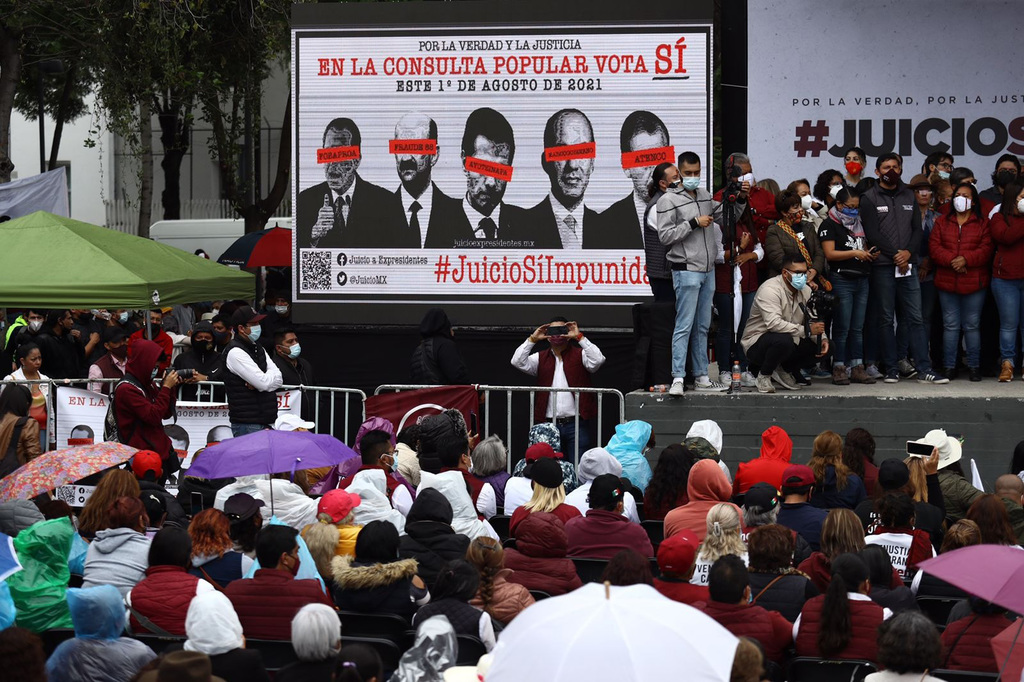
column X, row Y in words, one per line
column 929, row 299
column 568, row 432
column 961, row 311
column 245, row 429
column 899, row 298
column 695, row 292
column 724, row 336
column 1009, row 295
column 848, row 319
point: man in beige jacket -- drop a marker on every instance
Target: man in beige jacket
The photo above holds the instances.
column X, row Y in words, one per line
column 778, row 338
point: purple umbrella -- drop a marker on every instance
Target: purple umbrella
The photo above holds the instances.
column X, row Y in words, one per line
column 270, row 452
column 993, row 572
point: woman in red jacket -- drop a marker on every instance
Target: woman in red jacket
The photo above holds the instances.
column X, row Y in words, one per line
column 539, row 558
column 961, row 251
column 968, row 641
column 1007, row 228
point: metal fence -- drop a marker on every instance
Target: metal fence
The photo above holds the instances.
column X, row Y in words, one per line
column 123, row 216
column 531, row 391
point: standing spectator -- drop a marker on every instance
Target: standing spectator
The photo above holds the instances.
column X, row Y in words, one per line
column 278, row 310
column 203, row 359
column 159, row 603
column 140, row 406
column 436, row 360
column 490, row 460
column 791, row 236
column 539, row 560
column 845, row 247
column 686, row 214
column 730, row 605
column 214, row 556
column 19, row 433
column 429, row 537
column 892, row 223
column 968, row 641
column 677, row 558
column 267, row 603
column 939, row 164
column 564, row 365
column 159, row 337
column 735, row 276
column 776, row 450
column 908, row 648
column 316, row 638
column 497, row 597
column 841, row 533
column 797, row 513
column 760, row 195
column 221, row 332
column 706, row 487
column 659, row 272
column 88, row 333
column 842, row 622
column 722, row 537
column 896, row 534
column 604, row 530
column 834, row 484
column 456, row 586
column 961, row 252
column 119, row 555
column 825, row 189
column 111, row 365
column 859, row 456
column 376, row 580
column 212, row 628
column 667, row 488
column 1007, row 171
column 295, row 370
column 808, row 202
column 925, row 196
column 250, row 378
column 855, row 161
column 774, row 583
column 548, row 494
column 63, row 354
column 29, row 360
column 1007, row 229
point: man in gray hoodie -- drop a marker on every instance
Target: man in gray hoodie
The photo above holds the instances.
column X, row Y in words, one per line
column 686, row 216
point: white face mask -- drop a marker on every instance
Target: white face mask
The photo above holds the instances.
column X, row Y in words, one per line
column 35, row 325
column 961, row 204
column 281, row 309
column 1020, row 206
column 806, row 201
column 834, row 190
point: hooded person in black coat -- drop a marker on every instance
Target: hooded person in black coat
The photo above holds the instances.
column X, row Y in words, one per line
column 436, row 360
column 429, row 537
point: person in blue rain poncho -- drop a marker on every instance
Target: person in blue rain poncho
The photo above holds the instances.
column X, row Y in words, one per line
column 628, row 445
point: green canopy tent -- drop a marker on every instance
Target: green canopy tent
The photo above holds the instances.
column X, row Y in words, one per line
column 51, row 261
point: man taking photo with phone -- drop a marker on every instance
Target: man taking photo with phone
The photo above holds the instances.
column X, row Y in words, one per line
column 568, row 363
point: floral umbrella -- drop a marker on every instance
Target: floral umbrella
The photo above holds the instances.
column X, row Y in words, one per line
column 60, row 467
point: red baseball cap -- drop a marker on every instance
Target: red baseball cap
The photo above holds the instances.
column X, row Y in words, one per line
column 337, row 504
column 145, row 461
column 539, row 450
column 797, row 476
column 676, row 554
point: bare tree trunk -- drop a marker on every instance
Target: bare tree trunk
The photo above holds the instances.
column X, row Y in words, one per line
column 257, row 214
column 70, row 77
column 146, row 157
column 172, row 114
column 10, row 74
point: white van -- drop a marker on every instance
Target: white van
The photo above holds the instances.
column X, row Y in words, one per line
column 213, row 235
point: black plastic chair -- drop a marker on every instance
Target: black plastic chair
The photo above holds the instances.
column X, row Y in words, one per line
column 590, row 570
column 390, row 653
column 158, row 643
column 640, row 509
column 470, row 650
column 963, row 676
column 655, row 531
column 53, row 638
column 386, row 626
column 538, row 595
column 276, row 653
column 804, row 669
column 500, row 525
column 509, row 543
column 937, row 609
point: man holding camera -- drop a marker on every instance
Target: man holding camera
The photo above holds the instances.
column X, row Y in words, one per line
column 781, row 336
column 564, row 365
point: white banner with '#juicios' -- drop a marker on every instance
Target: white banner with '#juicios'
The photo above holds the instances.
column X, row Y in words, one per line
column 80, row 416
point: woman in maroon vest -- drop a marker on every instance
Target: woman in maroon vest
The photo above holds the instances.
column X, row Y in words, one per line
column 843, row 622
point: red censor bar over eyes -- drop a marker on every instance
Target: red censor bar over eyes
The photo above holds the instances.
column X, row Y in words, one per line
column 569, row 152
column 492, row 169
column 416, row 147
column 648, row 157
column 337, row 154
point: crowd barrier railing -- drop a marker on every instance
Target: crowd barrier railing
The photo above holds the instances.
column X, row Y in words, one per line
column 532, row 391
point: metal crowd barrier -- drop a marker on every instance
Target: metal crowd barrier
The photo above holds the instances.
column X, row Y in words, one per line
column 532, row 391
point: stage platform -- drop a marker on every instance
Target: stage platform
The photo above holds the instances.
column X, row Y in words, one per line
column 989, row 415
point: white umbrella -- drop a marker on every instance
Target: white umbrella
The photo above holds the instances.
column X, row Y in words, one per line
column 619, row 634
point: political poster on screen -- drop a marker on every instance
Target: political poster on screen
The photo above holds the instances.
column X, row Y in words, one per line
column 80, row 414
column 497, row 156
column 912, row 77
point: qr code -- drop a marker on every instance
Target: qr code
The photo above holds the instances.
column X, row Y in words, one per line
column 316, row 270
column 66, row 493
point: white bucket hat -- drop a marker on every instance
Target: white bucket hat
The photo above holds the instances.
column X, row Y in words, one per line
column 950, row 450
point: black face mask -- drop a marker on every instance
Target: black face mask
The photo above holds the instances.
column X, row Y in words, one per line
column 85, row 318
column 202, row 346
column 220, row 337
column 1005, row 177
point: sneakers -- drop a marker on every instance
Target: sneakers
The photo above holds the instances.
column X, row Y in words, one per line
column 872, row 372
column 892, row 376
column 764, row 384
column 932, row 378
column 706, row 385
column 975, row 374
column 676, row 388
column 785, row 379
column 907, row 370
column 747, row 380
column 839, row 377
column 1006, row 372
column 725, row 378
column 952, row 374
column 819, row 372
column 859, row 375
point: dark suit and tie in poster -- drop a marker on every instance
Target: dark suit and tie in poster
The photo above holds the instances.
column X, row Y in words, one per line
column 521, row 152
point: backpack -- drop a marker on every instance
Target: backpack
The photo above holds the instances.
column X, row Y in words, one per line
column 10, row 461
column 111, row 430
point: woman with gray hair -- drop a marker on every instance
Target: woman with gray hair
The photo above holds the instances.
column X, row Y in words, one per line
column 761, row 506
column 316, row 638
column 490, row 461
column 908, row 647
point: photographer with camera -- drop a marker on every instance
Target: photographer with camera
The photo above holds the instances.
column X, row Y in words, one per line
column 782, row 335
column 564, row 365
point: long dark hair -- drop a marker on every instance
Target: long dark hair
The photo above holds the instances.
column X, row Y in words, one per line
column 858, row 447
column 16, row 399
column 848, row 572
column 824, row 183
column 670, row 476
column 1010, row 194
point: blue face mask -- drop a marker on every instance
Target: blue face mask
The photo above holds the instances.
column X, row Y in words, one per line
column 798, row 280
column 254, row 333
column 944, row 175
column 123, row 317
column 691, row 183
column 294, row 351
column 851, row 212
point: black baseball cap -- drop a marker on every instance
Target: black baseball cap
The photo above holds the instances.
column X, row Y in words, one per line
column 245, row 315
column 893, row 474
column 762, row 497
column 242, row 506
column 545, row 471
column 606, row 490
